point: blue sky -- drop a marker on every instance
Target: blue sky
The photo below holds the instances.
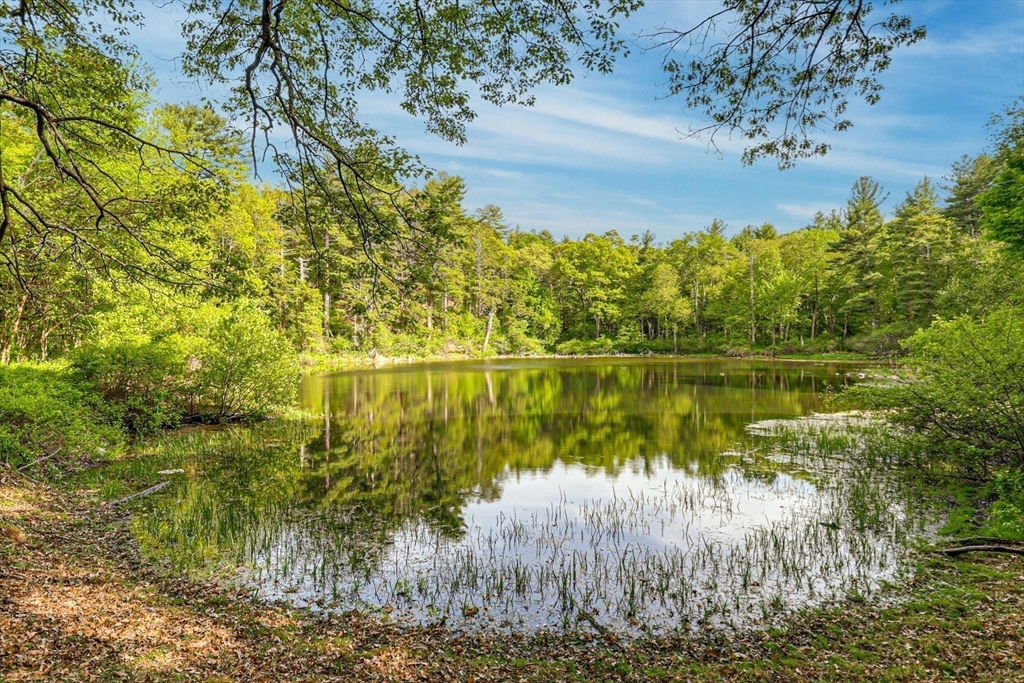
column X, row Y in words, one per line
column 605, row 153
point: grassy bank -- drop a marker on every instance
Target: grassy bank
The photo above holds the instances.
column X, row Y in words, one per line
column 80, row 604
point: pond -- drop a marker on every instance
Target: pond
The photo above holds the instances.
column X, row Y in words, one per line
column 642, row 495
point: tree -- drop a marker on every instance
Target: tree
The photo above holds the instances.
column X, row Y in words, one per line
column 1002, row 204
column 663, row 301
column 702, row 260
column 596, row 271
column 970, row 177
column 918, row 251
column 301, row 66
column 808, row 254
column 297, row 65
column 860, row 244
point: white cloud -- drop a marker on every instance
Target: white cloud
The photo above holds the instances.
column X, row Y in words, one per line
column 994, row 40
column 805, row 211
column 507, row 175
column 610, row 115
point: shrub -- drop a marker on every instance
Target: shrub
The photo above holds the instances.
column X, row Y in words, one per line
column 583, row 347
column 962, row 392
column 823, row 343
column 247, row 367
column 140, row 381
column 205, row 363
column 887, row 340
column 43, row 412
column 1006, row 516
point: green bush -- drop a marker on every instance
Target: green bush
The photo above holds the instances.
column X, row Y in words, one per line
column 823, row 343
column 887, row 340
column 583, row 347
column 1006, row 515
column 43, row 412
column 140, row 380
column 205, row 363
column 962, row 392
column 246, row 368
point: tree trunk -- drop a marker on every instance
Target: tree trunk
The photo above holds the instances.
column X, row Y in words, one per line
column 696, row 305
column 753, row 317
column 5, row 350
column 597, row 327
column 490, row 326
column 327, row 285
column 44, row 338
column 327, row 315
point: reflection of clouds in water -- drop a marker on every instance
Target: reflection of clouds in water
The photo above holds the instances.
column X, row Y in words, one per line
column 660, row 549
column 727, row 508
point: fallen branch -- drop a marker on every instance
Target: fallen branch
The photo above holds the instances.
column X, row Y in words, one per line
column 584, row 615
column 36, row 462
column 986, row 540
column 140, row 494
column 955, row 552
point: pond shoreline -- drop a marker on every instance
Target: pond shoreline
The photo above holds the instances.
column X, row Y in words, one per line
column 79, row 602
column 321, row 363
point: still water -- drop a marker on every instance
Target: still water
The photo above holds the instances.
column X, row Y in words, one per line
column 632, row 494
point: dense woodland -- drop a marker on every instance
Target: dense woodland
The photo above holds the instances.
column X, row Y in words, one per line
column 200, row 238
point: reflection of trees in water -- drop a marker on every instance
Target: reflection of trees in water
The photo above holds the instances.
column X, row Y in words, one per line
column 414, row 446
column 421, row 441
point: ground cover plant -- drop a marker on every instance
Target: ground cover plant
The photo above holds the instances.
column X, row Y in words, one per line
column 49, row 423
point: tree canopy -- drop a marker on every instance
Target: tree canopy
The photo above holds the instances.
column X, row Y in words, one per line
column 71, row 83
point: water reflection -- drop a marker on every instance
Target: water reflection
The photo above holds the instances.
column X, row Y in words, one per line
column 536, row 494
column 468, row 426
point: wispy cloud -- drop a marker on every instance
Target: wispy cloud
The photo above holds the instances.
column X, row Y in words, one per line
column 805, row 211
column 507, row 175
column 992, row 40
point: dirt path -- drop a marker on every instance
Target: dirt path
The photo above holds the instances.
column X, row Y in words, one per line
column 77, row 604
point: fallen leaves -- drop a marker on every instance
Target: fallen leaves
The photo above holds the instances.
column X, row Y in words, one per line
column 13, row 534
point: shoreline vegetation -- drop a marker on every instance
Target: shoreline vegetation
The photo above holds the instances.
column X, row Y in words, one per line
column 317, row 363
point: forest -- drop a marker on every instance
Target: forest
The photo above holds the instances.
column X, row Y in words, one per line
column 452, row 282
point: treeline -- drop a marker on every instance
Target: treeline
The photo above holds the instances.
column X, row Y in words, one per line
column 444, row 281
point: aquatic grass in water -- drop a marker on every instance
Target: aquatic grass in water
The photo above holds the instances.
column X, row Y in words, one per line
column 525, row 497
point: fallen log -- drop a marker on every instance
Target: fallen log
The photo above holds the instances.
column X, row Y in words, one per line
column 985, row 540
column 140, row 494
column 956, row 552
column 584, row 615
